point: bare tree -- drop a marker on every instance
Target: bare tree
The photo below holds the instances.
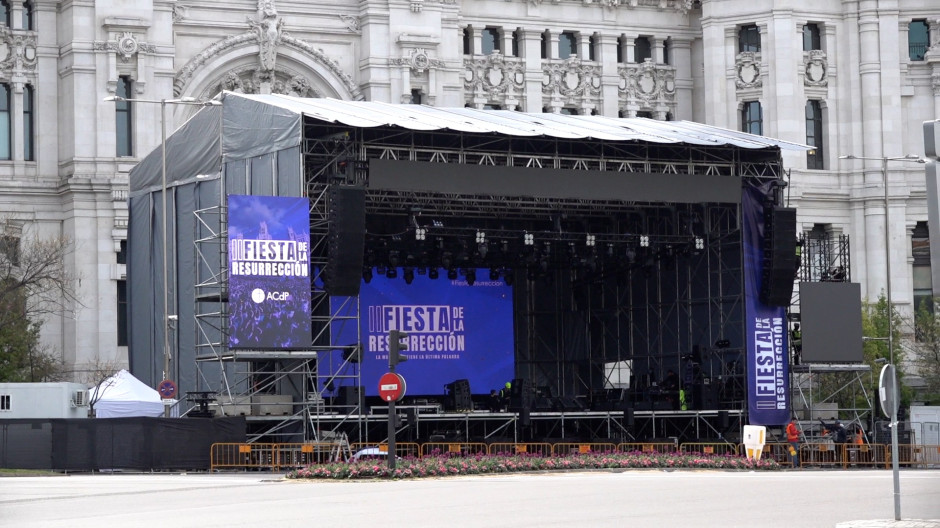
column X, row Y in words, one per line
column 99, row 374
column 34, row 283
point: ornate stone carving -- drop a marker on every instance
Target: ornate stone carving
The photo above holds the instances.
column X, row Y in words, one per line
column 648, row 85
column 352, row 23
column 180, row 12
column 571, row 78
column 418, row 60
column 248, row 80
column 268, row 30
column 935, row 82
column 493, row 76
column 747, row 68
column 682, row 6
column 417, row 6
column 17, row 51
column 815, row 68
column 126, row 45
column 332, row 65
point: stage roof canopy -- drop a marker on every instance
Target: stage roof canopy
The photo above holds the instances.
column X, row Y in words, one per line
column 252, row 125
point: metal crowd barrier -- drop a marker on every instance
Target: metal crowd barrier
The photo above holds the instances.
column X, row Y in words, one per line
column 279, row 457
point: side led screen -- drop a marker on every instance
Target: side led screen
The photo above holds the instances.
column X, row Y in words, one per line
column 269, row 272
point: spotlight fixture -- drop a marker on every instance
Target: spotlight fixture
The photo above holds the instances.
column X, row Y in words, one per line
column 494, row 274
column 589, row 241
column 433, row 273
column 644, row 241
column 699, row 243
column 452, row 274
column 367, row 274
column 529, row 239
column 409, row 275
column 481, row 237
column 393, row 259
column 391, row 273
column 508, row 276
column 471, row 275
column 420, row 233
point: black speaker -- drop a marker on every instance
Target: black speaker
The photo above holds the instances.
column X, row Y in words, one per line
column 524, row 419
column 346, row 235
column 458, row 395
column 520, row 395
column 779, row 263
column 628, row 418
column 724, row 420
column 350, row 396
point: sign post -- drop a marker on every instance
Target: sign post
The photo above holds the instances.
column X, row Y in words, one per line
column 888, row 394
column 392, row 386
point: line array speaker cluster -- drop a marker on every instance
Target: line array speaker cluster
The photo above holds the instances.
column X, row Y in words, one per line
column 346, row 240
column 779, row 263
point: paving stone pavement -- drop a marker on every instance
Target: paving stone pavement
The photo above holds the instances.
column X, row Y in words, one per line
column 891, row 523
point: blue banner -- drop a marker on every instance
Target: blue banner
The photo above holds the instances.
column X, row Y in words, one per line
column 455, row 331
column 768, row 380
column 269, row 272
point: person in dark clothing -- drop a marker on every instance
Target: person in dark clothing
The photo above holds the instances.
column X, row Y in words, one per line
column 839, row 436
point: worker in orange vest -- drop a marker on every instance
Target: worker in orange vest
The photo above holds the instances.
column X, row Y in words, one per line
column 793, row 438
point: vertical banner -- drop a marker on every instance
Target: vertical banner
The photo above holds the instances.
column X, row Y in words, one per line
column 269, row 272
column 768, row 380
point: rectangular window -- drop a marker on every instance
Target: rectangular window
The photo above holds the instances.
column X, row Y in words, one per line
column 749, row 38
column 546, row 43
column 645, row 113
column 122, row 252
column 814, row 135
column 490, row 41
column 592, row 48
column 5, row 402
column 124, row 117
column 642, row 50
column 567, row 45
column 811, row 37
column 416, row 96
column 5, row 13
column 28, row 123
column 122, row 313
column 751, row 118
column 10, row 249
column 568, row 111
column 516, row 43
column 6, row 138
column 620, row 46
column 918, row 39
column 28, row 15
column 923, row 283
column 468, row 41
column 667, row 51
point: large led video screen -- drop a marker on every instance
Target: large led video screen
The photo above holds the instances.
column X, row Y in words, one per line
column 454, row 331
column 269, row 272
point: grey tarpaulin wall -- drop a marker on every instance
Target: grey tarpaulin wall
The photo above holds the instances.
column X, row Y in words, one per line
column 239, row 147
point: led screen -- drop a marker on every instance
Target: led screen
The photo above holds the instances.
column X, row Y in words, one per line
column 269, row 272
column 455, row 331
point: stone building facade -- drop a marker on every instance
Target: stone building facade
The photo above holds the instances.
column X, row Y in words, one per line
column 851, row 77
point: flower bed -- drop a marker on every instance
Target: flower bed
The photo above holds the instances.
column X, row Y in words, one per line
column 444, row 465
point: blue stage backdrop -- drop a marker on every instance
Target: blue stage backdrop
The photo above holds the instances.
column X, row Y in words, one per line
column 455, row 331
column 269, row 272
column 768, row 385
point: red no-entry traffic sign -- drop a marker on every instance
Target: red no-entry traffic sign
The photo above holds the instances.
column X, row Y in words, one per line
column 391, row 387
column 167, row 389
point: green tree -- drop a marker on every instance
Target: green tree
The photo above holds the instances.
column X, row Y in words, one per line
column 33, row 284
column 925, row 350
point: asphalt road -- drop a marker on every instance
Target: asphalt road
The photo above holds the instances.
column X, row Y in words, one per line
column 599, row 498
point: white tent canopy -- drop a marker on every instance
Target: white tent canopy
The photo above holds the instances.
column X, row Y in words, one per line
column 122, row 396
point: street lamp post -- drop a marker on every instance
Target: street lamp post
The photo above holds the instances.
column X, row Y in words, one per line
column 890, row 339
column 167, row 318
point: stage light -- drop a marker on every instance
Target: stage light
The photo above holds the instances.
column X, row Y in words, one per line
column 699, row 243
column 481, row 237
column 392, row 259
column 391, row 273
column 589, row 241
column 644, row 241
column 452, row 274
column 409, row 275
column 433, row 273
column 420, row 233
column 508, row 275
column 367, row 275
column 494, row 274
column 471, row 275
column 529, row 239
